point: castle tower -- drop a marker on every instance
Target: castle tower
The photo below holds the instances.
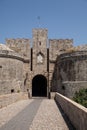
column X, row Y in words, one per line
column 39, row 62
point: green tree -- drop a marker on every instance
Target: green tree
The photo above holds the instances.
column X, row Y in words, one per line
column 81, row 97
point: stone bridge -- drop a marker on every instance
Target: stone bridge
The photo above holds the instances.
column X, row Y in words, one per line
column 44, row 114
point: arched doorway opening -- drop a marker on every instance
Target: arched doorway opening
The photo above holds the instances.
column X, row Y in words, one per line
column 39, row 86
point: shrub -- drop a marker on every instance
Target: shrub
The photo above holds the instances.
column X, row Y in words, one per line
column 81, row 97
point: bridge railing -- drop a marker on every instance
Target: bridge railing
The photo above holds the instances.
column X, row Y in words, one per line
column 75, row 112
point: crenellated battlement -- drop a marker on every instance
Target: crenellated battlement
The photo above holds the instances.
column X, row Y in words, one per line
column 20, row 45
column 58, row 46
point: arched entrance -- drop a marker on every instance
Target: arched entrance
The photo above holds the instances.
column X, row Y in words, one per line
column 39, row 86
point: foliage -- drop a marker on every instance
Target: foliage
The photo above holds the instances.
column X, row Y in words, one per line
column 81, row 97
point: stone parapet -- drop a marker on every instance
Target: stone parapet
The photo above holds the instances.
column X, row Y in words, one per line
column 75, row 112
column 58, row 46
column 75, row 55
column 20, row 46
column 13, row 55
column 11, row 98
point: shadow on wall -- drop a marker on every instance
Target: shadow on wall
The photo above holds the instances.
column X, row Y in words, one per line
column 56, row 82
column 65, row 117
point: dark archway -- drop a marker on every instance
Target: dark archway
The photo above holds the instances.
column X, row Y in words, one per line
column 39, row 86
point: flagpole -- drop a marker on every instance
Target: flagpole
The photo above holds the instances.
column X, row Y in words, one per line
column 38, row 21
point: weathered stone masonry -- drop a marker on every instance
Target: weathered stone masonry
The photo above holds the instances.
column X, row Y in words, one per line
column 40, row 65
column 71, row 72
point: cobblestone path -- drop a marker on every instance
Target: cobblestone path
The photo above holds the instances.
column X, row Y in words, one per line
column 34, row 114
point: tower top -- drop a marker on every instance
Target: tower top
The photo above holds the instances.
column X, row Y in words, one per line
column 40, row 29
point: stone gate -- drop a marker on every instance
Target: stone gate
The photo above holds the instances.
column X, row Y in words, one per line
column 36, row 65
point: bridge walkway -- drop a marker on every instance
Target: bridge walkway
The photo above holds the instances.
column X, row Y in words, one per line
column 34, row 114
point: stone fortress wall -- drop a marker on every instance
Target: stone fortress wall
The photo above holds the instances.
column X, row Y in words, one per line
column 67, row 68
column 22, row 47
column 56, row 47
column 39, row 44
column 11, row 72
column 12, row 76
column 71, row 72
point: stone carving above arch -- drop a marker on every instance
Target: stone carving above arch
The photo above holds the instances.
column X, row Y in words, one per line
column 40, row 58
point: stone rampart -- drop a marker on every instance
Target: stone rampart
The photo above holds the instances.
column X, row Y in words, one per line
column 58, row 46
column 71, row 73
column 75, row 112
column 74, row 54
column 20, row 45
column 11, row 72
column 13, row 55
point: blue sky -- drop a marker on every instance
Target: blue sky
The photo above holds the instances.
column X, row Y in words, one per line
column 63, row 19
